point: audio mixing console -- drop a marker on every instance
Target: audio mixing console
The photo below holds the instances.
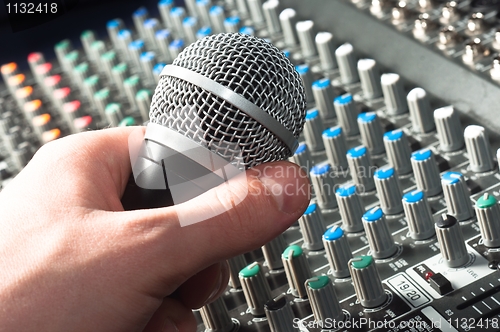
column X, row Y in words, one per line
column 403, row 231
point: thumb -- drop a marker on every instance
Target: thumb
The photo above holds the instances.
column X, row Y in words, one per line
column 239, row 216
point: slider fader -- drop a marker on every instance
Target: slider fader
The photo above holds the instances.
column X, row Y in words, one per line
column 400, row 143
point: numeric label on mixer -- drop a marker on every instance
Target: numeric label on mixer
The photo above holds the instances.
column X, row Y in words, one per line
column 408, row 290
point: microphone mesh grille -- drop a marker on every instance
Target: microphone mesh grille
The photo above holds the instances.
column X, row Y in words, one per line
column 249, row 66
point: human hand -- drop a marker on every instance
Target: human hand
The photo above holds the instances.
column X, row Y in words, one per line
column 73, row 260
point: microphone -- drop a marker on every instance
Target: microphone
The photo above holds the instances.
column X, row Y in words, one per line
column 228, row 102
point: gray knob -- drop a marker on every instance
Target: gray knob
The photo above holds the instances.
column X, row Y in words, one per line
column 87, row 38
column 256, row 13
column 177, row 15
column 456, row 195
column 215, row 317
column 347, row 114
column 113, row 27
column 288, row 20
column 351, row 208
column 217, row 18
column 203, row 9
column 451, row 241
column 359, row 166
column 338, row 251
column 346, row 63
column 279, row 314
column 488, row 215
column 323, row 95
column 426, row 172
column 242, row 8
column 236, row 264
column 449, row 129
column 190, row 26
column 305, row 32
column 296, row 269
column 371, row 132
column 394, row 94
column 336, row 148
column 369, row 77
column 322, row 180
column 326, row 50
column 272, row 252
column 302, row 157
column 379, row 237
column 324, row 303
column 271, row 15
column 398, row 151
column 307, row 78
column 388, row 190
column 478, row 148
column 232, row 24
column 312, row 227
column 418, row 215
column 164, row 8
column 312, row 130
column 255, row 288
column 366, row 281
column 420, row 111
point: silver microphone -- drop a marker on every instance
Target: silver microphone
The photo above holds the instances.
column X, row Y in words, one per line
column 227, row 103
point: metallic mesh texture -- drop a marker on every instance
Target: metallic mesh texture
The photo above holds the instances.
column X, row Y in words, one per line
column 249, row 66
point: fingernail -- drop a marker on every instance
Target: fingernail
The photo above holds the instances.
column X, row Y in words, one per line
column 287, row 184
column 169, row 326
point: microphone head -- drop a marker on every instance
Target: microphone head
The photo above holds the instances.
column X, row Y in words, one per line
column 250, row 67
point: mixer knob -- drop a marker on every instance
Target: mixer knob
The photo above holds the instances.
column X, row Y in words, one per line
column 323, row 95
column 313, row 130
column 418, row 215
column 359, row 166
column 422, row 26
column 476, row 24
column 305, row 32
column 388, row 190
column 394, row 94
column 336, row 148
column 323, row 184
column 450, row 13
column 288, row 20
column 371, row 132
column 307, row 78
column 302, row 156
column 346, row 63
column 398, row 151
column 420, row 111
column 326, row 50
column 488, row 215
column 448, row 37
column 337, row 251
column 256, row 12
column 215, row 317
column 366, row 281
column 449, row 129
column 236, row 264
column 255, row 288
column 495, row 68
column 457, row 195
column 451, row 241
column 347, row 114
column 271, row 15
column 379, row 237
column 474, row 51
column 426, row 172
column 478, row 148
column 279, row 314
column 272, row 252
column 351, row 208
column 324, row 303
column 369, row 77
column 312, row 227
column 400, row 12
column 296, row 269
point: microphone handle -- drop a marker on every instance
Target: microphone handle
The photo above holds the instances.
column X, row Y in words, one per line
column 136, row 198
